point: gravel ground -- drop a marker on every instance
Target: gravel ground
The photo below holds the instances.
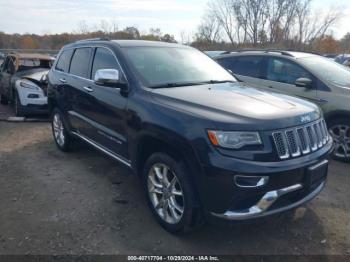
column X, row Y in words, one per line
column 85, row 203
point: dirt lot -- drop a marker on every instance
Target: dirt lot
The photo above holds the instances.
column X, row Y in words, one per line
column 85, row 203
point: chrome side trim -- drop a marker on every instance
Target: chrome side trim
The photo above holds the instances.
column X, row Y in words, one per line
column 104, row 150
column 260, row 209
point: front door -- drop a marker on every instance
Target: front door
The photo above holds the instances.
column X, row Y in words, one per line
column 281, row 75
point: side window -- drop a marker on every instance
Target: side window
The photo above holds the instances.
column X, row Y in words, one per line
column 80, row 62
column 281, row 70
column 248, row 66
column 104, row 59
column 63, row 61
column 228, row 63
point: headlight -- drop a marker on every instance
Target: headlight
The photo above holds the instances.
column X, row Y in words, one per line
column 28, row 85
column 234, row 139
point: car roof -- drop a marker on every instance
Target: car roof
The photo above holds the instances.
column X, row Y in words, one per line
column 32, row 56
column 125, row 43
column 281, row 53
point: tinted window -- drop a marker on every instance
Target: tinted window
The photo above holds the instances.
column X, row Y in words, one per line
column 281, row 70
column 228, row 63
column 80, row 62
column 104, row 59
column 248, row 66
column 63, row 61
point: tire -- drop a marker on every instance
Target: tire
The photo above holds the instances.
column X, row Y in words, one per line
column 179, row 212
column 3, row 100
column 19, row 109
column 59, row 131
column 339, row 129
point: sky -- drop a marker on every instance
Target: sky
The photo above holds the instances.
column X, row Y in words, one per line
column 171, row 16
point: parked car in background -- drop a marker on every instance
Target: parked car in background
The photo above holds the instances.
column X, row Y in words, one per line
column 204, row 145
column 304, row 75
column 214, row 53
column 23, row 81
column 343, row 59
column 330, row 56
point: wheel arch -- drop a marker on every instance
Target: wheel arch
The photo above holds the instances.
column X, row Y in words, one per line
column 336, row 115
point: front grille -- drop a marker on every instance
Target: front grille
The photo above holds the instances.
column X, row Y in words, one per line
column 301, row 140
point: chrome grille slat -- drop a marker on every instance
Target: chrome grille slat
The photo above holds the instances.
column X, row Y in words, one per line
column 300, row 140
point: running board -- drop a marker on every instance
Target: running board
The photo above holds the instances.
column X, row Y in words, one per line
column 102, row 149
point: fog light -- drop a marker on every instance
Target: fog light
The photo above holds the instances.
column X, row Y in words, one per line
column 251, row 181
column 33, row 96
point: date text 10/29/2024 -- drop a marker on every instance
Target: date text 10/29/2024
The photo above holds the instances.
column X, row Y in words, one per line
column 173, row 258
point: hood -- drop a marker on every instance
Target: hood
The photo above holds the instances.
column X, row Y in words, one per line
column 238, row 106
column 35, row 75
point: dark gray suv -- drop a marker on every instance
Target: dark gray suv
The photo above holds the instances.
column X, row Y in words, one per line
column 309, row 76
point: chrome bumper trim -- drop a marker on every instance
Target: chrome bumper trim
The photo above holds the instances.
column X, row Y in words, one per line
column 261, row 208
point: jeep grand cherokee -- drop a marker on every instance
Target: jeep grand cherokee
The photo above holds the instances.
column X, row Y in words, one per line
column 204, row 145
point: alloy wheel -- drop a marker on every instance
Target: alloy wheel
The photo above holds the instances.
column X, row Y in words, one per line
column 341, row 137
column 166, row 194
column 58, row 129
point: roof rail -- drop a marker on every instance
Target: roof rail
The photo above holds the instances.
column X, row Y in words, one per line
column 93, row 39
column 282, row 52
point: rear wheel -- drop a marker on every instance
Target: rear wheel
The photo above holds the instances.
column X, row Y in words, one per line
column 170, row 194
column 339, row 129
column 59, row 131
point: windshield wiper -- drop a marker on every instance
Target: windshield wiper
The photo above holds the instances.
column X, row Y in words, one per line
column 175, row 84
column 218, row 81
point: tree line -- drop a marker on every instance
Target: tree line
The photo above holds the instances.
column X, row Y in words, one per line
column 289, row 24
column 226, row 25
column 56, row 41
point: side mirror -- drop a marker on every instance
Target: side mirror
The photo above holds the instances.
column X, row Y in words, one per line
column 304, row 82
column 107, row 77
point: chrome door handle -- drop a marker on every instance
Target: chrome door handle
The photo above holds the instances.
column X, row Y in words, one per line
column 88, row 89
column 62, row 80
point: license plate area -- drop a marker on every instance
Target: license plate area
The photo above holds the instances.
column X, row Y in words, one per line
column 317, row 173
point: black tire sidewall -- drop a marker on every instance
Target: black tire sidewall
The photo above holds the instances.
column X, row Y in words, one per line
column 185, row 225
column 66, row 146
column 18, row 106
column 339, row 121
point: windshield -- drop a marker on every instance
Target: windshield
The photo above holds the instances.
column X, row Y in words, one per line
column 329, row 70
column 157, row 66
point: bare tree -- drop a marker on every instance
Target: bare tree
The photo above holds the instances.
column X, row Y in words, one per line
column 209, row 29
column 312, row 26
column 223, row 11
column 83, row 28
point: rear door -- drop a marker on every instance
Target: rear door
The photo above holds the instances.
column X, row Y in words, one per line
column 78, row 82
column 246, row 68
column 281, row 75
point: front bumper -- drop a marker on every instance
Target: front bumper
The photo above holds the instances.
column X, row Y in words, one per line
column 261, row 208
column 288, row 185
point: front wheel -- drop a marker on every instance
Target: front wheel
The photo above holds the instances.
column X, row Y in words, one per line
column 339, row 129
column 60, row 132
column 170, row 194
column 19, row 111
